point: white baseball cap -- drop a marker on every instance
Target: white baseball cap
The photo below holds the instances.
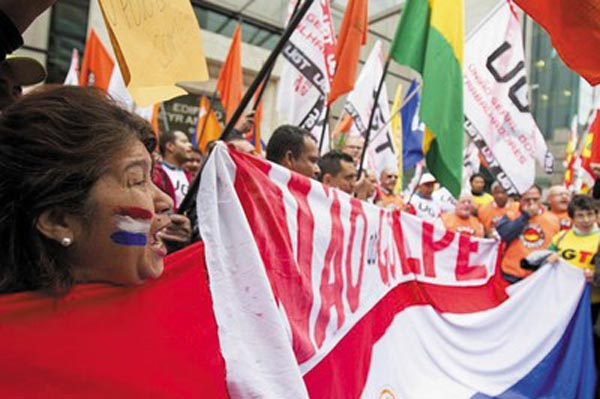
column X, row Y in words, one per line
column 427, row 178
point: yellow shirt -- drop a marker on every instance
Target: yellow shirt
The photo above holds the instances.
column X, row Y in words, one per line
column 483, row 199
column 579, row 251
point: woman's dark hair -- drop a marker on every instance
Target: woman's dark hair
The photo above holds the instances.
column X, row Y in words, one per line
column 54, row 145
column 581, row 203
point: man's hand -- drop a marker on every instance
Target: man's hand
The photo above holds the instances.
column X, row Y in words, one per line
column 364, row 188
column 180, row 229
column 588, row 274
column 531, row 209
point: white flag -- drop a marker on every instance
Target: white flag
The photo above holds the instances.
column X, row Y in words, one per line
column 308, row 69
column 72, row 78
column 497, row 114
column 359, row 104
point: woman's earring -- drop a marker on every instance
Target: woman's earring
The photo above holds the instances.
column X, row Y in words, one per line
column 65, row 242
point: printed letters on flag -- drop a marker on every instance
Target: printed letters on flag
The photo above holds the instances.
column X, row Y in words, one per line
column 308, row 69
column 496, row 105
column 317, row 294
column 359, row 105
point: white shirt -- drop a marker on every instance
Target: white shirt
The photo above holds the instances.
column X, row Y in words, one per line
column 445, row 200
column 178, row 180
column 427, row 209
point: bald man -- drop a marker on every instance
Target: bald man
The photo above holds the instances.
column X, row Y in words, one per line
column 462, row 220
column 558, row 200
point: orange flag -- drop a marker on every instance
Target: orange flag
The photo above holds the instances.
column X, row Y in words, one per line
column 353, row 34
column 208, row 127
column 230, row 84
column 257, row 122
column 574, row 27
column 97, row 65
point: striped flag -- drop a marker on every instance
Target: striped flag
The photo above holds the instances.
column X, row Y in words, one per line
column 429, row 39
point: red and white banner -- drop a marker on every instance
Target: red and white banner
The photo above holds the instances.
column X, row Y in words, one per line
column 381, row 152
column 496, row 106
column 319, row 294
column 308, row 70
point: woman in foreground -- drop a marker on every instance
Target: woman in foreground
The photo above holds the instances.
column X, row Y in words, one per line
column 77, row 203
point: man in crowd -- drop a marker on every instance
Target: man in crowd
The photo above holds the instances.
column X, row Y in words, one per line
column 387, row 197
column 462, row 219
column 425, row 206
column 194, row 163
column 489, row 215
column 15, row 73
column 295, row 149
column 338, row 170
column 169, row 175
column 480, row 197
column 558, row 200
column 354, row 146
column 530, row 230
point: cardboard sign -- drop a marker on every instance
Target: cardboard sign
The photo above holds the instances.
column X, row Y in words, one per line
column 157, row 43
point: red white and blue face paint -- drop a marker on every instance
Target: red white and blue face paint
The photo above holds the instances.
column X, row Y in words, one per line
column 133, row 226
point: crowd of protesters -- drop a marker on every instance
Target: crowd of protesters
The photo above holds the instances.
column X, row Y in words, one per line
column 45, row 215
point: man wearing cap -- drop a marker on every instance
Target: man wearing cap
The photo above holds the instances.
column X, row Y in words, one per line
column 425, row 206
column 16, row 72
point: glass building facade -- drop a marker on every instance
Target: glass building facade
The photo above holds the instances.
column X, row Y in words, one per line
column 554, row 87
column 68, row 30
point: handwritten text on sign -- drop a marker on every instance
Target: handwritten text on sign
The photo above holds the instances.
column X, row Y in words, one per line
column 157, row 44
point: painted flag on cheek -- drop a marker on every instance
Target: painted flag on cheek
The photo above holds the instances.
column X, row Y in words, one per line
column 133, row 226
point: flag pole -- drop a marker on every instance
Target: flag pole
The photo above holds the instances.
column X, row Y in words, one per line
column 404, row 102
column 266, row 66
column 189, row 203
column 325, row 124
column 372, row 116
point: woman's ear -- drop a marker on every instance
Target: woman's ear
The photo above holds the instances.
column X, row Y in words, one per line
column 56, row 224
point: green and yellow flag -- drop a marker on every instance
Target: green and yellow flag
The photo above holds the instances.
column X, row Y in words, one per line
column 429, row 39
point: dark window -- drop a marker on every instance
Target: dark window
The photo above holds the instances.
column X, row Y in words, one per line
column 68, row 30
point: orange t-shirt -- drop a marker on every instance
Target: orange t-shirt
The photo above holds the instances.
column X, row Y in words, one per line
column 564, row 220
column 471, row 225
column 391, row 201
column 536, row 235
column 489, row 215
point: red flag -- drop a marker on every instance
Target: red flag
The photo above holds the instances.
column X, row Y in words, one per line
column 97, row 65
column 353, row 34
column 574, row 28
column 595, row 145
column 230, row 84
column 158, row 340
